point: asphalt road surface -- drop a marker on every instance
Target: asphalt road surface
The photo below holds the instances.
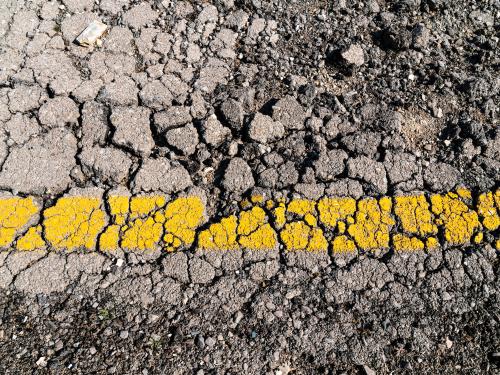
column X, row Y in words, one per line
column 249, row 187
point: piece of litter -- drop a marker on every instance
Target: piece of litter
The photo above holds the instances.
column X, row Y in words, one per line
column 91, row 34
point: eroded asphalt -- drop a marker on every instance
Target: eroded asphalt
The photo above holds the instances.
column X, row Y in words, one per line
column 304, row 122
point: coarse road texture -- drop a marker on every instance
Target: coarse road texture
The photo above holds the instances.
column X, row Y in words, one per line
column 250, row 187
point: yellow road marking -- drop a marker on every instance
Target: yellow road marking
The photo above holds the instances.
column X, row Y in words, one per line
column 151, row 222
column 74, row 222
column 15, row 213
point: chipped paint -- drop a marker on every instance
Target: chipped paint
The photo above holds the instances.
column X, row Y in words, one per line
column 487, row 211
column 74, row 222
column 182, row 217
column 373, row 221
column 460, row 222
column 152, row 222
column 221, row 236
column 15, row 214
column 31, row 240
column 255, row 233
column 300, row 236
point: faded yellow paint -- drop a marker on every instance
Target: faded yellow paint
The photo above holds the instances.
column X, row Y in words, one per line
column 303, row 235
column 110, row 238
column 343, row 244
column 74, row 222
column 300, row 236
column 264, row 238
column 373, row 224
column 406, row 243
column 15, row 213
column 245, row 203
column 302, row 207
column 141, row 206
column 257, row 199
column 220, row 236
column 414, row 213
column 459, row 221
column 464, row 193
column 182, row 217
column 144, row 228
column 250, row 231
column 32, row 240
column 150, row 222
column 255, row 233
column 279, row 214
column 310, row 220
column 487, row 210
column 333, row 211
column 341, row 226
column 270, row 204
column 251, row 220
column 432, row 243
column 119, row 208
column 385, row 204
column 142, row 234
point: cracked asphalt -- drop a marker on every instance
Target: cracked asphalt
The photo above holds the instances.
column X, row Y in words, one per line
column 250, row 187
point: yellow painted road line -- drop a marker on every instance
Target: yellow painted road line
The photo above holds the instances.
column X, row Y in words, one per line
column 151, row 222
